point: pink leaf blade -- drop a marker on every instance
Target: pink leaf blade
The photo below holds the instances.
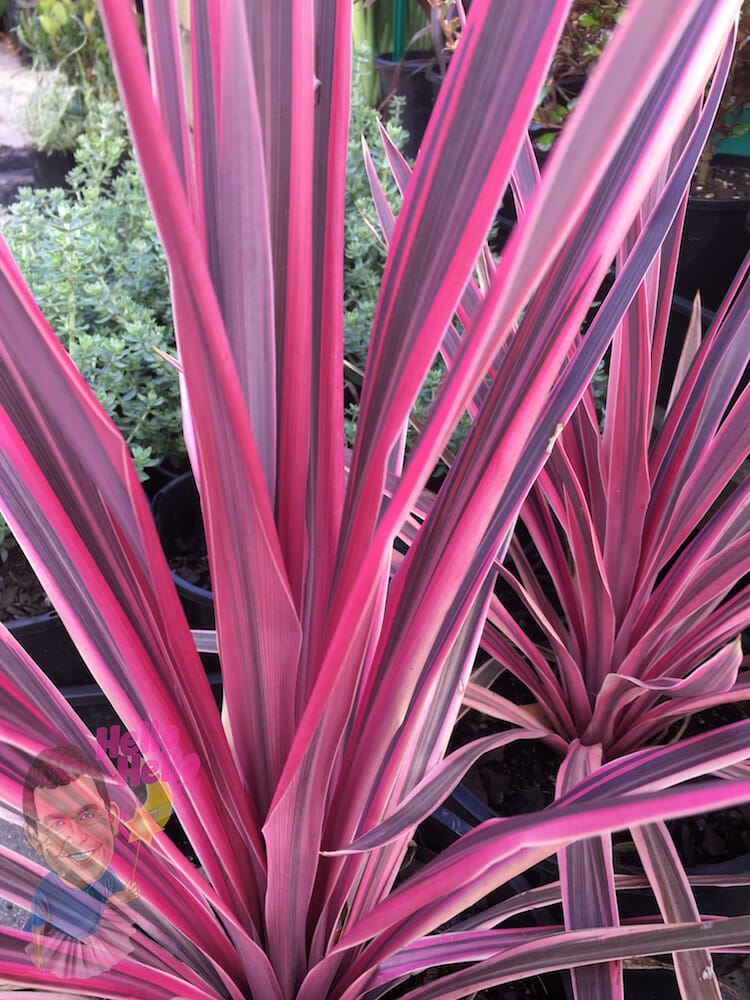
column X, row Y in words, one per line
column 205, row 21
column 35, row 717
column 411, row 327
column 333, row 69
column 243, row 274
column 166, row 73
column 258, row 626
column 688, row 352
column 495, row 706
column 282, row 45
column 588, row 862
column 563, row 951
column 497, row 850
column 694, row 969
column 431, row 791
column 81, row 532
column 626, row 441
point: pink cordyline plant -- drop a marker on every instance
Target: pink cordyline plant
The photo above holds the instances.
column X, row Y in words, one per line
column 344, row 667
column 637, row 579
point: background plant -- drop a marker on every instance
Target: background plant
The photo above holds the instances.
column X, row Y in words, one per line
column 93, row 260
column 373, row 24
column 65, row 38
column 586, row 32
column 734, row 101
column 344, row 662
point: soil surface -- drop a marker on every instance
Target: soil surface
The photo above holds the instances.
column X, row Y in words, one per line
column 21, row 593
column 724, row 182
column 188, row 559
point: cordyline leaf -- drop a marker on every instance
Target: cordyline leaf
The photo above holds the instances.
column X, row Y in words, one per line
column 537, row 517
column 584, row 948
column 625, row 448
column 701, row 446
column 79, row 537
column 689, row 350
column 718, row 674
column 562, row 702
column 179, row 903
column 595, row 597
column 588, row 351
column 409, row 327
column 282, row 42
column 337, row 652
column 675, row 898
column 478, row 697
column 472, row 481
column 247, row 566
column 440, row 284
column 655, row 769
column 243, row 276
column 131, row 978
column 435, row 788
column 664, row 766
column 494, row 852
column 402, row 175
column 654, row 722
column 167, row 79
column 261, row 551
column 325, row 491
column 589, row 862
column 448, row 949
column 706, row 569
column 416, row 751
column 205, row 26
column 234, row 212
column 166, row 74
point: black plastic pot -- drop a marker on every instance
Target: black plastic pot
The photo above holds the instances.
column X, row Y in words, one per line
column 715, row 240
column 47, row 642
column 29, row 167
column 177, row 513
column 14, row 11
column 435, row 77
column 407, row 79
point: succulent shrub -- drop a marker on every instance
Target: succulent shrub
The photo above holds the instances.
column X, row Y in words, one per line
column 94, row 262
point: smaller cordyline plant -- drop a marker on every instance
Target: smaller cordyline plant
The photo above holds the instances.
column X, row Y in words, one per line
column 345, row 664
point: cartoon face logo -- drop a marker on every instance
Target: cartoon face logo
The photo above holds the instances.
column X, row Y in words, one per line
column 75, row 830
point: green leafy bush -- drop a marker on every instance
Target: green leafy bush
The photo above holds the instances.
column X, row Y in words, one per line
column 92, row 258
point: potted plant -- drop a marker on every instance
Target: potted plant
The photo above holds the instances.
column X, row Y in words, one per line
column 646, row 629
column 398, row 32
column 64, row 38
column 717, row 228
column 344, row 660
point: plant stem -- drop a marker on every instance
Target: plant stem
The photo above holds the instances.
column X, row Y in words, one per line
column 399, row 29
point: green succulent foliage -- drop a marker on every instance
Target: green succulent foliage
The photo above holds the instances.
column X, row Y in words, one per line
column 92, row 258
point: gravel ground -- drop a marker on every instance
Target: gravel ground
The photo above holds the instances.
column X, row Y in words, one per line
column 12, row 836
